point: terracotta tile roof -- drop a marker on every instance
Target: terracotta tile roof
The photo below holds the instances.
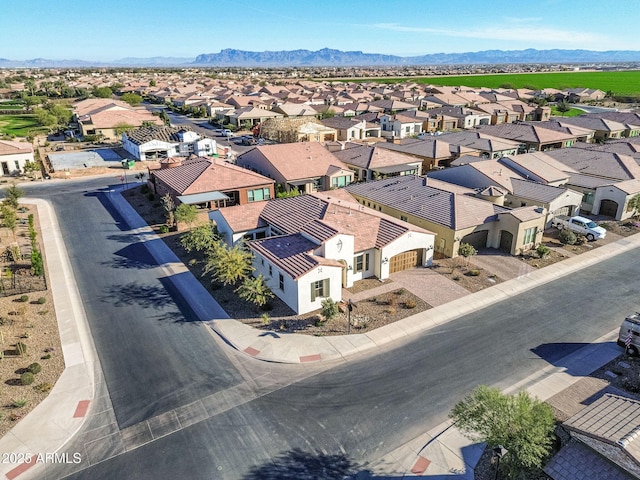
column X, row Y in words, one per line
column 536, row 191
column 206, row 175
column 293, row 160
column 242, row 218
column 521, row 132
column 430, row 147
column 576, row 461
column 11, row 148
column 365, row 156
column 525, row 214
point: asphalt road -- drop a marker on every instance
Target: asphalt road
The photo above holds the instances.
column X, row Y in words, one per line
column 153, row 355
column 355, row 412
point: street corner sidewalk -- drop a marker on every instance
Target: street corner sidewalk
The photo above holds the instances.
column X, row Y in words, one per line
column 44, row 431
column 282, row 347
column 443, row 452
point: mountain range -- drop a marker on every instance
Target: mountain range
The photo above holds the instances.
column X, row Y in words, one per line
column 337, row 58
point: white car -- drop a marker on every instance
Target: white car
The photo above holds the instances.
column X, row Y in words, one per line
column 227, row 133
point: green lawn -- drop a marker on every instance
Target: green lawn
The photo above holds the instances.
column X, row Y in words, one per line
column 19, row 125
column 574, row 112
column 620, row 83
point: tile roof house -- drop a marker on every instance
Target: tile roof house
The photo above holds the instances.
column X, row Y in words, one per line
column 210, row 182
column 14, row 156
column 104, row 117
column 373, row 162
column 399, row 125
column 604, row 442
column 311, row 246
column 305, row 166
column 525, row 180
column 434, row 152
column 456, row 217
column 160, row 141
column 604, row 128
column 487, row 145
column 350, row 128
column 530, row 137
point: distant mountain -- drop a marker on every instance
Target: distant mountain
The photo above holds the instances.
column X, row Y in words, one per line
column 337, row 58
column 327, row 57
column 300, row 58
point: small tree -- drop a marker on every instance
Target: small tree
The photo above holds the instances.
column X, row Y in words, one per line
column 634, row 205
column 37, row 266
column 169, row 207
column 523, row 424
column 186, row 214
column 9, row 218
column 132, row 99
column 201, row 238
column 13, row 195
column 543, row 251
column 467, row 250
column 229, row 265
column 254, row 290
column 329, row 308
column 563, row 106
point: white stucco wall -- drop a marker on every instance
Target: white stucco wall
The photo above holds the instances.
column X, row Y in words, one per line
column 611, row 192
column 12, row 166
column 409, row 241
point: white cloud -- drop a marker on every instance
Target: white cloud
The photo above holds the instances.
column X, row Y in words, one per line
column 511, row 31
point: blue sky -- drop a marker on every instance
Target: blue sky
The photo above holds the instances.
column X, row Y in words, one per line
column 108, row 30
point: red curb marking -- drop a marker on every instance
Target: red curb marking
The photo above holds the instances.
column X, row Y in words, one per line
column 310, row 358
column 23, row 467
column 420, row 466
column 81, row 409
column 252, row 351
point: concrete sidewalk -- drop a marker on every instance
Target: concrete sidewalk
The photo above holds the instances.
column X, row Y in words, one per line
column 442, row 451
column 56, row 419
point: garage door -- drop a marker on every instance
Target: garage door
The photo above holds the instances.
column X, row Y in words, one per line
column 477, row 239
column 609, row 208
column 405, row 260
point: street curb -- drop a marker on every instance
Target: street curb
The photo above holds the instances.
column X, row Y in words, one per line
column 50, row 425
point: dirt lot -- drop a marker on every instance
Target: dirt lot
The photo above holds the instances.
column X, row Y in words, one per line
column 32, row 321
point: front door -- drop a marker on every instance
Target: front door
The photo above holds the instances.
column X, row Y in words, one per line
column 5, row 169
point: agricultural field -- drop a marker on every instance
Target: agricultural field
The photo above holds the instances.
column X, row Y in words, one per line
column 19, row 125
column 626, row 83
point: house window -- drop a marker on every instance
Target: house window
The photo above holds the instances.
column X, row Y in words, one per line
column 403, row 218
column 338, row 182
column 317, row 183
column 281, row 281
column 270, row 271
column 530, row 235
column 361, row 263
column 258, row 194
column 17, row 165
column 587, row 197
column 319, row 289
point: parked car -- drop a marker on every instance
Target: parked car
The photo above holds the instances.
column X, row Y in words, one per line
column 249, row 140
column 227, row 133
column 629, row 335
column 580, row 225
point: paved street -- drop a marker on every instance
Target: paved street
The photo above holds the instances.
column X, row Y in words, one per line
column 245, row 414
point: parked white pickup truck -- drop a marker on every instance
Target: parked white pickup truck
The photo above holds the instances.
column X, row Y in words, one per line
column 580, row 225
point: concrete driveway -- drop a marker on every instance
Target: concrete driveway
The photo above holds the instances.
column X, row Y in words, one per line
column 500, row 263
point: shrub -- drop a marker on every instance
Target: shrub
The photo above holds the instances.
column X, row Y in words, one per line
column 265, row 318
column 45, row 357
column 411, row 303
column 24, row 298
column 581, row 240
column 19, row 403
column 34, row 368
column 391, row 301
column 391, row 311
column 163, row 229
column 329, row 308
column 21, row 348
column 473, row 273
column 27, row 378
column 41, row 301
column 43, row 387
column 567, row 237
column 543, row 251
